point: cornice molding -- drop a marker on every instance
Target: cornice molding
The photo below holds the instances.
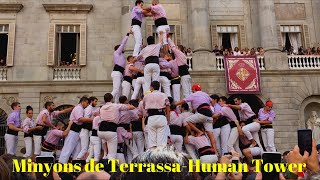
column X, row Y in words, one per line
column 68, row 8
column 10, row 8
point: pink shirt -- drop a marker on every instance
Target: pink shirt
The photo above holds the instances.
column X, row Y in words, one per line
column 76, row 114
column 95, row 123
column 228, row 113
column 245, row 112
column 54, row 136
column 174, row 68
column 156, row 100
column 142, row 112
column 49, row 116
column 127, row 116
column 198, row 98
column 27, row 124
column 118, row 56
column 181, row 58
column 174, row 119
column 14, row 118
column 88, row 112
column 150, row 50
column 184, row 115
column 199, row 142
column 266, row 116
column 111, row 112
column 158, row 12
column 123, row 134
column 127, row 71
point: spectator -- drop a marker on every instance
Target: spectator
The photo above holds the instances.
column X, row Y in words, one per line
column 236, row 52
column 2, row 62
column 221, row 50
column 189, row 52
column 252, row 52
column 261, row 52
column 216, row 50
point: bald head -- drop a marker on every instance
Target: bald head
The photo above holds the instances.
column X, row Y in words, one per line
column 94, row 176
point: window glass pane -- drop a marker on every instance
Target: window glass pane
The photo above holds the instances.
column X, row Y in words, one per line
column 69, row 48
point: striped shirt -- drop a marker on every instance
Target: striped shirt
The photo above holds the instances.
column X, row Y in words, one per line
column 245, row 112
column 158, row 12
column 123, row 134
column 156, row 100
column 198, row 98
column 174, row 119
column 27, row 124
column 199, row 142
column 228, row 113
column 76, row 114
column 118, row 56
column 181, row 58
column 150, row 50
column 54, row 136
column 48, row 115
column 14, row 118
column 263, row 116
column 111, row 112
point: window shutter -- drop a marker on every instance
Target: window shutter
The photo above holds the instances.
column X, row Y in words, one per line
column 306, row 36
column 51, row 45
column 279, row 37
column 178, row 34
column 11, row 40
column 214, row 35
column 243, row 37
column 83, row 45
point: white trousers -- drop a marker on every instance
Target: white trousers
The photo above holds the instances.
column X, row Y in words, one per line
column 221, row 136
column 112, row 142
column 186, row 85
column 11, row 143
column 268, row 139
column 233, row 141
column 116, row 85
column 84, row 141
column 71, row 146
column 251, row 131
column 151, row 73
column 156, row 133
column 120, row 157
column 165, row 84
column 126, row 89
column 132, row 150
column 137, row 39
column 209, row 159
column 137, row 87
column 177, row 141
column 94, row 148
column 163, row 28
column 176, row 92
column 28, row 143
column 200, row 118
column 139, row 140
column 37, row 144
column 191, row 150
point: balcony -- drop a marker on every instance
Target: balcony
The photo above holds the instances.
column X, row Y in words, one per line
column 304, row 62
column 66, row 73
column 3, row 73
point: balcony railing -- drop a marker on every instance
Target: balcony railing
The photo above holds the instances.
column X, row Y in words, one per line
column 304, row 62
column 66, row 74
column 3, row 73
column 189, row 62
column 220, row 63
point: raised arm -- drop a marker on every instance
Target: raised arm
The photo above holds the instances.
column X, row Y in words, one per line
column 180, row 56
column 123, row 44
column 66, row 110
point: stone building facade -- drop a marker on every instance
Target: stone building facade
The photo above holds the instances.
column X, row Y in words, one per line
column 35, row 30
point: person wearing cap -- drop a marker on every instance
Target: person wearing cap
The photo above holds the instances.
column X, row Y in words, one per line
column 201, row 103
column 265, row 118
column 246, row 114
column 158, row 107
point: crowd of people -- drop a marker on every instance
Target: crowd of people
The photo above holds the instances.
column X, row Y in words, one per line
column 237, row 51
column 302, row 51
column 145, row 119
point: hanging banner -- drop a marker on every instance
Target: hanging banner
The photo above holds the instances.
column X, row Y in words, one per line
column 242, row 75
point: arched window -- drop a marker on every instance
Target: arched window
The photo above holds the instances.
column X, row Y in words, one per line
column 64, row 118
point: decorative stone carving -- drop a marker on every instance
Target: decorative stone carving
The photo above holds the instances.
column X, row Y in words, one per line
column 293, row 11
column 10, row 8
column 9, row 99
column 47, row 98
column 68, row 8
column 313, row 123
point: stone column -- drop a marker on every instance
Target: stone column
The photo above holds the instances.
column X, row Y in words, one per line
column 127, row 6
column 274, row 59
column 203, row 60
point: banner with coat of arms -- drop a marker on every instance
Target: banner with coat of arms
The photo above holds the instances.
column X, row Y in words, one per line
column 242, row 75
